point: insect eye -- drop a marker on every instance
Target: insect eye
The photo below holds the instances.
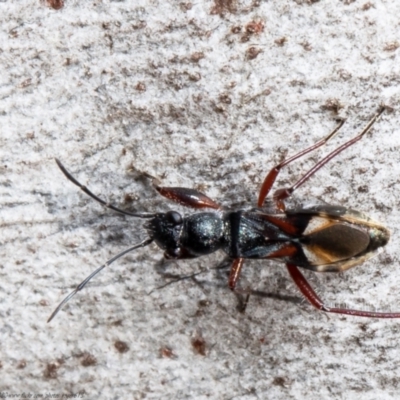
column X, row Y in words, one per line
column 174, row 217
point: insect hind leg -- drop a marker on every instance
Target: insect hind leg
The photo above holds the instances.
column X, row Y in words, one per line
column 312, row 297
column 273, row 174
column 281, row 194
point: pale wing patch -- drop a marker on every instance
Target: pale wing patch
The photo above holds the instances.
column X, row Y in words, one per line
column 343, row 265
column 317, row 223
column 318, row 257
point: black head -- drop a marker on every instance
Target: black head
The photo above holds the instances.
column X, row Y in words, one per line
column 165, row 229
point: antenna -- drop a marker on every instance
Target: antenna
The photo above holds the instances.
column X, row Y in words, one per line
column 145, row 242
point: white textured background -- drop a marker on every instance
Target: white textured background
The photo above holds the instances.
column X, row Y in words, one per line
column 115, row 88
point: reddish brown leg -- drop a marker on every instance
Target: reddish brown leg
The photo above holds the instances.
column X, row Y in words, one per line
column 273, row 174
column 281, row 194
column 187, row 197
column 309, row 293
column 233, row 279
column 235, row 272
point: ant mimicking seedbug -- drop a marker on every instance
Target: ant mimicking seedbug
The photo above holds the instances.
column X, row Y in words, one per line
column 322, row 238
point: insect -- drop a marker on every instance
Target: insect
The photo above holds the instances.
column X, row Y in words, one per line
column 323, row 238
